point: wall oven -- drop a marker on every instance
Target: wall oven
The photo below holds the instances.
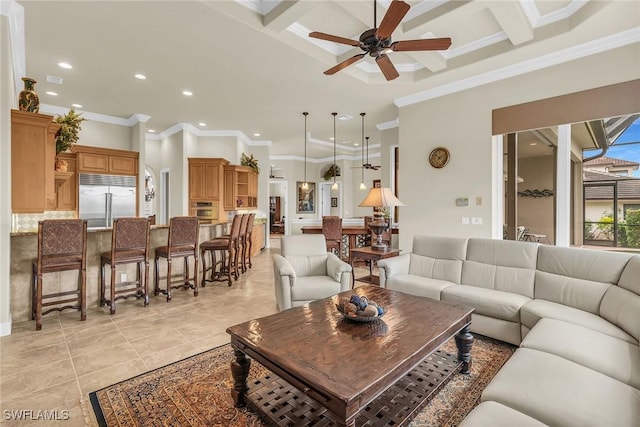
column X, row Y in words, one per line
column 207, row 212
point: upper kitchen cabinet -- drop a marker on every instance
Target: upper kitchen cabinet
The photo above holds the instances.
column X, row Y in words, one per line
column 33, row 151
column 205, row 178
column 240, row 188
column 67, row 184
column 106, row 160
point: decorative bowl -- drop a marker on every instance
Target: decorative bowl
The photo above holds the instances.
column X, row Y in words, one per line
column 362, row 319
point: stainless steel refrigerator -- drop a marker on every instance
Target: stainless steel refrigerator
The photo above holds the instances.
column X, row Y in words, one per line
column 103, row 198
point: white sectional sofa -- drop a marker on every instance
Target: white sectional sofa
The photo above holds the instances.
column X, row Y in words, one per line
column 575, row 314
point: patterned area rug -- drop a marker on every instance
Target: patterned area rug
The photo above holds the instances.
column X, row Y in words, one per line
column 196, row 392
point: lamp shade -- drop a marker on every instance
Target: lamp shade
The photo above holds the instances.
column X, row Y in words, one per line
column 380, row 197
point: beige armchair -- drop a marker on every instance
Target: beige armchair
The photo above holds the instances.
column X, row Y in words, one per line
column 306, row 271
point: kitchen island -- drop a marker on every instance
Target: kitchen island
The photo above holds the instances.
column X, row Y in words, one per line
column 24, row 248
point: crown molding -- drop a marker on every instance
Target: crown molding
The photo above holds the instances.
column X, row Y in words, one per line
column 389, row 125
column 355, row 158
column 558, row 57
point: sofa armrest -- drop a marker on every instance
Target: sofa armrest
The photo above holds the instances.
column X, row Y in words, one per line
column 389, row 266
column 284, row 280
column 339, row 271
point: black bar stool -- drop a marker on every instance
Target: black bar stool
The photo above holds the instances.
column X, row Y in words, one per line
column 62, row 246
column 129, row 244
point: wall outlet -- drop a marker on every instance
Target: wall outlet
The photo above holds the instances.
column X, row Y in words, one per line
column 476, row 220
column 465, row 220
column 123, row 277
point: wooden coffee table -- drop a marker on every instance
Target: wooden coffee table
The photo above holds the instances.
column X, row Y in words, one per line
column 329, row 369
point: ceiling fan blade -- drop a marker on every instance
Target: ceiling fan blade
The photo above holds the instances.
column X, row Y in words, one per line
column 344, row 64
column 424, row 44
column 392, row 18
column 386, row 66
column 332, row 38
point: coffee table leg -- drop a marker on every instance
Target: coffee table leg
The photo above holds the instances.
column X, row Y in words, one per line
column 464, row 342
column 240, row 372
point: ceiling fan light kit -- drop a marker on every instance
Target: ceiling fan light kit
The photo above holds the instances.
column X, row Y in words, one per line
column 376, row 42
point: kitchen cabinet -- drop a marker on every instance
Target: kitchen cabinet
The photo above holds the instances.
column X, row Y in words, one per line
column 105, row 160
column 33, row 150
column 205, row 178
column 67, row 184
column 240, row 187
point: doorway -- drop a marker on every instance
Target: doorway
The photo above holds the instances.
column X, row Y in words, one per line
column 278, row 211
column 330, row 200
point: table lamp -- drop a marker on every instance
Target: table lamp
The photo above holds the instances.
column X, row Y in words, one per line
column 379, row 198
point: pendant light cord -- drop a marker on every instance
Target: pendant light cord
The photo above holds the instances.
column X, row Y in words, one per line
column 305, row 146
column 335, row 167
column 362, row 150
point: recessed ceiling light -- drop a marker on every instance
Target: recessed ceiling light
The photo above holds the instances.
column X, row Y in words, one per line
column 151, row 130
column 256, row 134
column 76, row 105
column 356, row 144
column 187, row 93
column 533, row 143
column 49, row 92
column 331, row 139
column 65, row 65
column 140, row 76
column 344, row 117
column 202, row 124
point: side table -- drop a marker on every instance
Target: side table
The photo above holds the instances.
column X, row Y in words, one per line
column 371, row 255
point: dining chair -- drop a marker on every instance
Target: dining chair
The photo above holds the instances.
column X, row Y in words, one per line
column 62, row 246
column 227, row 268
column 129, row 244
column 332, row 230
column 182, row 243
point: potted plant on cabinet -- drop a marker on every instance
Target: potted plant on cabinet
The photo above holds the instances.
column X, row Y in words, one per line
column 70, row 126
column 250, row 161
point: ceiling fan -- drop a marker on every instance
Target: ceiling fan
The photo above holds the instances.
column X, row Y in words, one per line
column 377, row 41
column 365, row 164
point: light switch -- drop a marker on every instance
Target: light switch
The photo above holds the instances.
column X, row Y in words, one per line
column 465, row 220
column 476, row 220
column 479, row 201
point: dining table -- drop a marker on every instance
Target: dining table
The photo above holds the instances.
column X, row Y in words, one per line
column 351, row 231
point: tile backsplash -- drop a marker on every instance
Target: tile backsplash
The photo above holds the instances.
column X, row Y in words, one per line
column 29, row 222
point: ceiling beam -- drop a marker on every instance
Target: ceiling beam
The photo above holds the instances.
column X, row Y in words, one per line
column 286, row 13
column 420, row 24
column 433, row 61
column 513, row 20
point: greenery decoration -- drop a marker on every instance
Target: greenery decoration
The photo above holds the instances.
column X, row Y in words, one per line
column 69, row 129
column 250, row 161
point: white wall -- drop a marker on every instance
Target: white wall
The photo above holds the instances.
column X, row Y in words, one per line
column 462, row 123
column 105, row 135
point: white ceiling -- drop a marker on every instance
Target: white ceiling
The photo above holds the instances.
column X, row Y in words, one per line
column 252, row 67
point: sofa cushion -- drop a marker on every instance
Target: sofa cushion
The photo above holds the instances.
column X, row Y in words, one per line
column 575, row 277
column 559, row 392
column 418, row 285
column 537, row 309
column 309, row 265
column 611, row 356
column 497, row 415
column 311, row 288
column 438, row 257
column 621, row 304
column 488, row 302
column 500, row 265
column 441, row 269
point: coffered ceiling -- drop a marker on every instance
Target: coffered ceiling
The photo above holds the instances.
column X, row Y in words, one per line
column 252, row 67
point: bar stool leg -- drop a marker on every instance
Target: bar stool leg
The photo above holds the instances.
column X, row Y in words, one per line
column 168, row 278
column 156, row 280
column 204, row 267
column 34, row 292
column 39, row 303
column 195, row 274
column 146, row 283
column 101, row 300
column 112, row 291
column 249, row 251
column 83, row 294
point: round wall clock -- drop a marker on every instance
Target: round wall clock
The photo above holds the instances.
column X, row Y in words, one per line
column 439, row 157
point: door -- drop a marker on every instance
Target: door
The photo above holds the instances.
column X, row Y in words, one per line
column 92, row 205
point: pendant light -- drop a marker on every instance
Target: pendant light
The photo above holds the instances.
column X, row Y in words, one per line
column 334, row 166
column 362, row 185
column 305, row 184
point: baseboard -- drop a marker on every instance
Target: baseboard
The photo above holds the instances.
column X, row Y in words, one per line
column 5, row 328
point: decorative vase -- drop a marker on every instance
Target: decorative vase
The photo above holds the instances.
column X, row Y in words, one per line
column 28, row 99
column 61, row 165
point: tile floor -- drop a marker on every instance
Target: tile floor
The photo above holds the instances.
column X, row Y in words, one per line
column 56, row 368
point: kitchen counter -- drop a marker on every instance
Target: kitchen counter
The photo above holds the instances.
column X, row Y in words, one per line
column 24, row 247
